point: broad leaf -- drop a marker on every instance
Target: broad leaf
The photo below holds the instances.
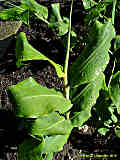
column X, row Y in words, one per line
column 94, row 57
column 114, row 90
column 54, row 143
column 25, row 52
column 51, row 124
column 33, row 149
column 33, row 100
column 85, row 100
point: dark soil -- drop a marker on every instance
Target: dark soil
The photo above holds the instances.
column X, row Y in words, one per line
column 39, row 35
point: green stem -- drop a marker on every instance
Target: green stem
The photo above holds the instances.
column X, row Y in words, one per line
column 67, row 88
column 113, row 11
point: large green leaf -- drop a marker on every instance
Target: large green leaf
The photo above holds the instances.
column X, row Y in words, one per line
column 34, row 100
column 51, row 124
column 114, row 90
column 33, row 149
column 94, row 57
column 84, row 101
column 25, row 52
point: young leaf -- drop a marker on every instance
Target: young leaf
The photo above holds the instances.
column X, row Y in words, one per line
column 88, row 3
column 103, row 131
column 56, row 20
column 85, row 100
column 51, row 124
column 114, row 90
column 94, row 57
column 25, row 52
column 33, row 100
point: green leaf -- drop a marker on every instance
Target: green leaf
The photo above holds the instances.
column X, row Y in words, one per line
column 103, row 131
column 56, row 20
column 40, row 11
column 30, row 149
column 85, row 100
column 114, row 91
column 49, row 156
column 25, row 52
column 117, row 132
column 94, row 57
column 12, row 13
column 117, row 43
column 88, row 3
column 33, row 149
column 54, row 143
column 102, row 107
column 51, row 124
column 33, row 100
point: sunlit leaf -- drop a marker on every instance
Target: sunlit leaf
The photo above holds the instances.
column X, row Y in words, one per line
column 103, row 131
column 25, row 52
column 33, row 100
column 51, row 124
column 54, row 143
column 88, row 3
column 39, row 10
column 94, row 57
column 85, row 100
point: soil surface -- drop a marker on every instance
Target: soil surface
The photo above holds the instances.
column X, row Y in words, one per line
column 81, row 143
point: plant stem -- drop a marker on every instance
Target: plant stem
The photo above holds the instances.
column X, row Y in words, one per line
column 113, row 11
column 67, row 88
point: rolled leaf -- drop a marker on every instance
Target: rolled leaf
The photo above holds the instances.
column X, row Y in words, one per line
column 33, row 100
column 25, row 52
column 85, row 100
column 94, row 57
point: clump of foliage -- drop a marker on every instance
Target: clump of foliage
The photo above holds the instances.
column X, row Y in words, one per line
column 49, row 116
